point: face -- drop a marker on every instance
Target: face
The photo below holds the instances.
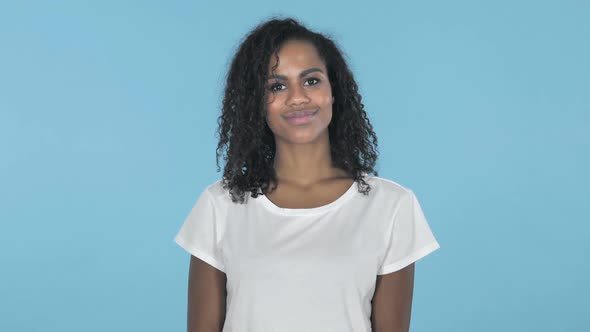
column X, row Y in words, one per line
column 299, row 86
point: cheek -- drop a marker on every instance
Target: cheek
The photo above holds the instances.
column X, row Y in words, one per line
column 273, row 114
column 325, row 101
column 324, row 97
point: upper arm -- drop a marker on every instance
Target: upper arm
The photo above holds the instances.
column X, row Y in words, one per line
column 206, row 297
column 392, row 301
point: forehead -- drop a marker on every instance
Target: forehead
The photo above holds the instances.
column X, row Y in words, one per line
column 297, row 53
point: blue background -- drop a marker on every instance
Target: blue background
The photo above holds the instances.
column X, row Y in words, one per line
column 107, row 118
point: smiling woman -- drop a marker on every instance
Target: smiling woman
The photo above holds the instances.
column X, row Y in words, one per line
column 280, row 72
column 299, row 100
column 319, row 244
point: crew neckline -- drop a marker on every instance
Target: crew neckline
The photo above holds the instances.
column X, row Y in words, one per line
column 308, row 211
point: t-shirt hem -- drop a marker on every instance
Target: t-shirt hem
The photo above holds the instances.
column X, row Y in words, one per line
column 409, row 259
column 204, row 256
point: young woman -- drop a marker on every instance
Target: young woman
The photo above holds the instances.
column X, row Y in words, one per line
column 297, row 236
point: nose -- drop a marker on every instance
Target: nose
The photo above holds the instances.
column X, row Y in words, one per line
column 297, row 96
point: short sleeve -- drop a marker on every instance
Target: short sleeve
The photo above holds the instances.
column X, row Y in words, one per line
column 200, row 232
column 411, row 237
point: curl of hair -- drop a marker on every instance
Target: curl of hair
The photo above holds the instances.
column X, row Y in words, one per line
column 243, row 133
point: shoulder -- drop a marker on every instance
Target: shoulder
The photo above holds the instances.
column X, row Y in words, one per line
column 381, row 188
column 215, row 192
column 220, row 196
column 215, row 189
column 387, row 188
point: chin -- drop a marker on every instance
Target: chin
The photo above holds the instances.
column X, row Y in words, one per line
column 307, row 138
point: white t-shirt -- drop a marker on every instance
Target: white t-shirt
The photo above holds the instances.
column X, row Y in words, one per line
column 306, row 269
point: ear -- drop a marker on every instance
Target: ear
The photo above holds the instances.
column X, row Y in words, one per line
column 333, row 99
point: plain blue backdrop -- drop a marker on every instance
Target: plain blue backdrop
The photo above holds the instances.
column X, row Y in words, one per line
column 107, row 117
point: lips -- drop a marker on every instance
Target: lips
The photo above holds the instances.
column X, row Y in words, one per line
column 301, row 117
column 301, row 113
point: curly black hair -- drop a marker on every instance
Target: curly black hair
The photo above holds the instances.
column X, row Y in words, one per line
column 242, row 127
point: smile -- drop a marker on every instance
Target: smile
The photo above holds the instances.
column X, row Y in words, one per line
column 302, row 119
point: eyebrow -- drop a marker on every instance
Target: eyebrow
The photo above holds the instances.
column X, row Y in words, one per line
column 302, row 74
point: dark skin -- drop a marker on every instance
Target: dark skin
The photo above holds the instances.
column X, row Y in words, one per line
column 392, row 301
column 391, row 304
column 306, row 179
column 206, row 297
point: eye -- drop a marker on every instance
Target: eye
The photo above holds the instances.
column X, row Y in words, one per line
column 313, row 79
column 273, row 87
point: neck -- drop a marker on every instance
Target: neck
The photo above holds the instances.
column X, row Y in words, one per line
column 305, row 164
